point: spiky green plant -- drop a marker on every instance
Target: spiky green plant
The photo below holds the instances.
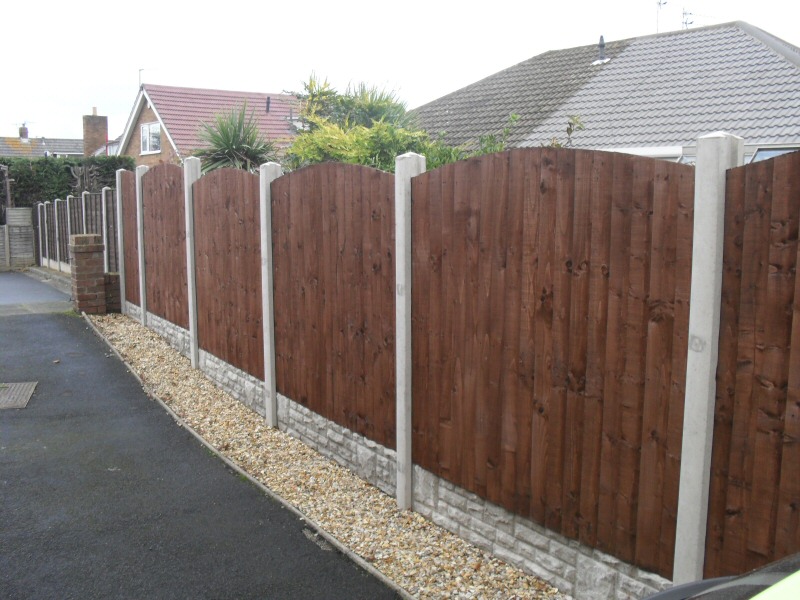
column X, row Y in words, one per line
column 234, row 140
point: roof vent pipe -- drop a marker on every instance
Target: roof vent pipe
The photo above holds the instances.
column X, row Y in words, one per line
column 268, row 102
column 601, row 53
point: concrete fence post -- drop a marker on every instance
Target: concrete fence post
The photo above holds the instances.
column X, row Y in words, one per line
column 191, row 173
column 268, row 173
column 40, row 221
column 407, row 166
column 120, row 243
column 140, row 171
column 47, row 235
column 55, row 229
column 70, row 227
column 716, row 153
column 103, row 195
column 84, row 196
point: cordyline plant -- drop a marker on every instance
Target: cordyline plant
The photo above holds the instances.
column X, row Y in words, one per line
column 233, row 140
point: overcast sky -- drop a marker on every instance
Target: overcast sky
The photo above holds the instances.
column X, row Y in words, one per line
column 63, row 58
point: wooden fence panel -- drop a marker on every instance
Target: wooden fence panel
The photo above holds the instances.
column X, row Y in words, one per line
column 50, row 248
column 755, row 494
column 165, row 244
column 228, row 265
column 333, row 228
column 549, row 326
column 112, row 237
column 130, row 252
column 94, row 213
column 75, row 216
column 62, row 232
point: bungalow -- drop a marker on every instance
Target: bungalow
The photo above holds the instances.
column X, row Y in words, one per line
column 166, row 121
column 652, row 95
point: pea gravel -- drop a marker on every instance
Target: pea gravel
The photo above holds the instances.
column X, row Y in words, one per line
column 424, row 559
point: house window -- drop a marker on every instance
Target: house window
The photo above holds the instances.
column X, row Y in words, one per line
column 151, row 138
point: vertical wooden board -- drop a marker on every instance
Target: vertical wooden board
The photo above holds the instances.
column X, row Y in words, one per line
column 726, row 366
column 423, row 302
column 494, row 315
column 387, row 312
column 448, row 454
column 469, row 332
column 578, row 269
column 754, row 275
column 635, row 330
column 369, row 185
column 279, row 192
column 657, row 369
column 130, row 239
column 165, row 243
column 616, row 348
column 787, row 527
column 307, row 304
column 513, row 485
column 543, row 436
column 563, row 199
column 773, row 337
column 529, row 163
column 681, row 184
column 599, row 236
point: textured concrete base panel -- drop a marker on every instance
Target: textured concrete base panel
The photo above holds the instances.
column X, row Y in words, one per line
column 575, row 569
column 578, row 570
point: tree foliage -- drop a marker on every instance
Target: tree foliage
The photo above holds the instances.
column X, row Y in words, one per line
column 47, row 178
column 234, row 140
column 369, row 126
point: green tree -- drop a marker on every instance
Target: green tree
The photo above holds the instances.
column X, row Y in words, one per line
column 370, row 126
column 234, row 140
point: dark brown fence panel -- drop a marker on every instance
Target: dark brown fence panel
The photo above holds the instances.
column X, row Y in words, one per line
column 130, row 238
column 333, row 228
column 75, row 213
column 549, row 327
column 93, row 205
column 754, row 505
column 111, row 230
column 63, row 232
column 228, row 265
column 50, row 211
column 165, row 244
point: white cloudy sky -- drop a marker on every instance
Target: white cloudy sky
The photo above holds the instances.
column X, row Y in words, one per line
column 63, row 58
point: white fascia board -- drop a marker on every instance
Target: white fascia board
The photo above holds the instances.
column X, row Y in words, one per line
column 651, row 151
column 134, row 117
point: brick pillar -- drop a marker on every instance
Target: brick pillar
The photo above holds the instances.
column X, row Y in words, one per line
column 88, row 278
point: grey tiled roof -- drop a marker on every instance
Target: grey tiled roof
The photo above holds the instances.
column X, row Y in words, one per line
column 36, row 147
column 661, row 90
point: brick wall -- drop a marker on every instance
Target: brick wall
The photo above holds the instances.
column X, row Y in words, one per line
column 93, row 290
column 134, row 146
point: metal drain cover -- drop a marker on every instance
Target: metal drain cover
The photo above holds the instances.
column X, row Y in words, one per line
column 16, row 395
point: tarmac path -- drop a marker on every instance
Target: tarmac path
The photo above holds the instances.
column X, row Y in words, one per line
column 104, row 495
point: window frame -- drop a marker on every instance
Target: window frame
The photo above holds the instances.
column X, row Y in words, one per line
column 148, row 137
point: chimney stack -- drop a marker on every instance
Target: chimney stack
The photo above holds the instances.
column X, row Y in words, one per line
column 95, row 132
column 23, row 132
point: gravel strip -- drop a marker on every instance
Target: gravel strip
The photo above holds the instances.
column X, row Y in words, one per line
column 424, row 559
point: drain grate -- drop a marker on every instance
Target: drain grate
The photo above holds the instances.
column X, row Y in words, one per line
column 16, row 395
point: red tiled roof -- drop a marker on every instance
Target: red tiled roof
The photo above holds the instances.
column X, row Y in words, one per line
column 183, row 110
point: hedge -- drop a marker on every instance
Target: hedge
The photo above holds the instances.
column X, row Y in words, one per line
column 42, row 179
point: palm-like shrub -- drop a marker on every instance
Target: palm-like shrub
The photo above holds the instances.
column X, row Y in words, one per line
column 233, row 140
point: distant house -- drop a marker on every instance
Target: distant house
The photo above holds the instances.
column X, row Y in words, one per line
column 652, row 95
column 25, row 147
column 165, row 122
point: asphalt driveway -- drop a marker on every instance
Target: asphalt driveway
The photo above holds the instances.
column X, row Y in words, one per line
column 103, row 495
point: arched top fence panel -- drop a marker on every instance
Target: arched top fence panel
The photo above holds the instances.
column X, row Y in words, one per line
column 333, row 247
column 228, row 266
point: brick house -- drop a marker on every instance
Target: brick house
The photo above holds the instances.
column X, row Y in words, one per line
column 165, row 122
